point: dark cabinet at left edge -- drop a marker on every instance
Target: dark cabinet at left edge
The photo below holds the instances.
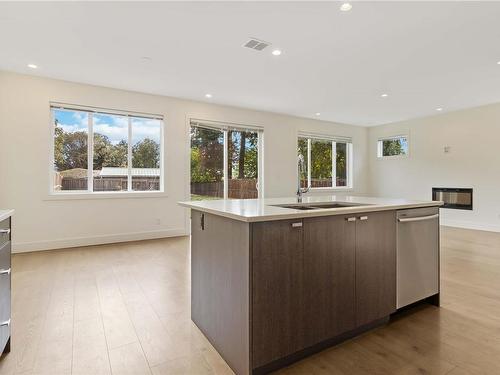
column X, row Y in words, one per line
column 5, row 285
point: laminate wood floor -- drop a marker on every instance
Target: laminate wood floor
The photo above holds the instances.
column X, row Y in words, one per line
column 124, row 309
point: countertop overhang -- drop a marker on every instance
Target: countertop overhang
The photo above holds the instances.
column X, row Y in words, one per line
column 255, row 210
column 4, row 214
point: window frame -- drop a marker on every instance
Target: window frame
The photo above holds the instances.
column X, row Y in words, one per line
column 349, row 160
column 225, row 127
column 89, row 193
column 380, row 146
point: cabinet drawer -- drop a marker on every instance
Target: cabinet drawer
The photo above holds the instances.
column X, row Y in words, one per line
column 4, row 231
column 5, row 256
column 4, row 297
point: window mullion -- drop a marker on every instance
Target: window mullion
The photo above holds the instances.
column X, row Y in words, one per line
column 225, row 165
column 260, row 165
column 129, row 155
column 349, row 165
column 90, row 152
column 334, row 164
column 308, row 150
column 162, row 156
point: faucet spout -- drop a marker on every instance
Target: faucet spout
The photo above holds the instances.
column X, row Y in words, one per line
column 300, row 172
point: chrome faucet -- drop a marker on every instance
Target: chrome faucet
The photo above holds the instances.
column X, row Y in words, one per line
column 300, row 171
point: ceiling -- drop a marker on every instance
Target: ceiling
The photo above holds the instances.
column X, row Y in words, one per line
column 424, row 55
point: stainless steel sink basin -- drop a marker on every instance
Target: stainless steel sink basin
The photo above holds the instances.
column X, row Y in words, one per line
column 319, row 205
column 297, row 207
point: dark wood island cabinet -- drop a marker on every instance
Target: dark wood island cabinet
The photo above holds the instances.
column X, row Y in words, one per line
column 375, row 266
column 267, row 293
column 317, row 278
column 5, row 284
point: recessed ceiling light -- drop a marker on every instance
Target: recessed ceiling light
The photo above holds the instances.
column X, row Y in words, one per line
column 32, row 66
column 384, row 95
column 346, row 7
column 276, row 52
column 439, row 109
column 208, row 96
column 498, row 62
column 318, row 113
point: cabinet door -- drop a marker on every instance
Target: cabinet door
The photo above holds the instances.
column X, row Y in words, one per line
column 277, row 290
column 329, row 274
column 375, row 266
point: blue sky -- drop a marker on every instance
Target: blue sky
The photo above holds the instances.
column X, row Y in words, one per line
column 114, row 127
column 404, row 144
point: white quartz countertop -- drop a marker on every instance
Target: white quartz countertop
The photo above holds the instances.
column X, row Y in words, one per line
column 4, row 214
column 254, row 210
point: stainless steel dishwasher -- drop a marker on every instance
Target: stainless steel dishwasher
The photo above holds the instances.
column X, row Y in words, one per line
column 417, row 254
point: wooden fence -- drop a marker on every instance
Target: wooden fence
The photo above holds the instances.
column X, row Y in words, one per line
column 73, row 184
column 112, row 184
column 237, row 189
column 208, row 189
column 318, row 183
column 242, row 189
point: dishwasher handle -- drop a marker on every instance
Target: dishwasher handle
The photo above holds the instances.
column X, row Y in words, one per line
column 418, row 218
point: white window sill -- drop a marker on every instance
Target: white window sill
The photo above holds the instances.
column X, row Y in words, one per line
column 105, row 195
column 393, row 157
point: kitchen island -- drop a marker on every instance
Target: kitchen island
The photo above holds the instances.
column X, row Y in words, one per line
column 274, row 280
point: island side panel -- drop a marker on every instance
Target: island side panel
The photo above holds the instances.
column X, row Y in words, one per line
column 220, row 285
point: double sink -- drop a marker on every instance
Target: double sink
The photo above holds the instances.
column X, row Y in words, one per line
column 319, row 205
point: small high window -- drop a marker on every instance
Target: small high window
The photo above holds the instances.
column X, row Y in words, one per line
column 396, row 146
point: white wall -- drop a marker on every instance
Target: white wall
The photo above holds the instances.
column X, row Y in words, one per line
column 42, row 223
column 473, row 136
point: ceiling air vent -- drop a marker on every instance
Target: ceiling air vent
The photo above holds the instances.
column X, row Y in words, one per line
column 256, row 44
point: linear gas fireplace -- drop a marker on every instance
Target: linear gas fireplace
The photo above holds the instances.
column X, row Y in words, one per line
column 457, row 198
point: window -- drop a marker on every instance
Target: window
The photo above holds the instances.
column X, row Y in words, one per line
column 225, row 161
column 392, row 146
column 105, row 151
column 327, row 161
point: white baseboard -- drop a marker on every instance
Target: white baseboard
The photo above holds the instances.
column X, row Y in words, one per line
column 23, row 247
column 471, row 225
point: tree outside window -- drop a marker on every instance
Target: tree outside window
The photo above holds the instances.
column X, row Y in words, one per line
column 326, row 160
